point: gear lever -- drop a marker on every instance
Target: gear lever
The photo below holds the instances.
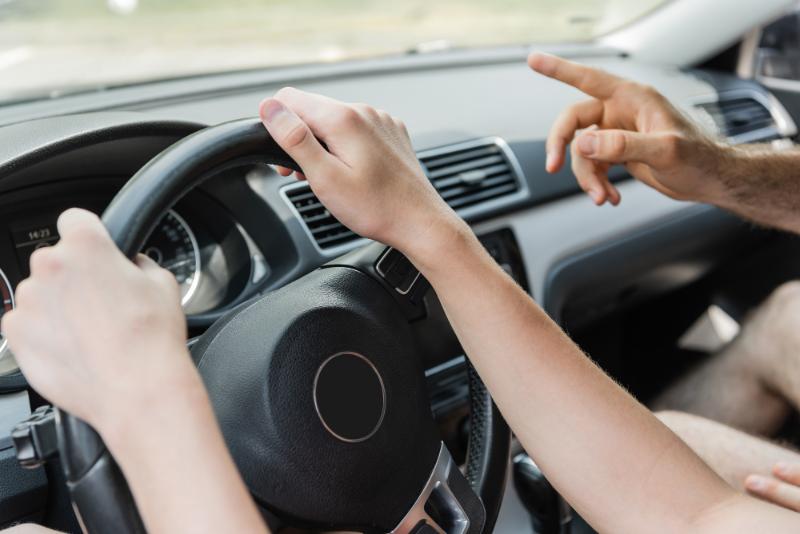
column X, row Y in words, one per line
column 538, row 496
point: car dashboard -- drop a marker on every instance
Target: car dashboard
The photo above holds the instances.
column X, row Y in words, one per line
column 478, row 124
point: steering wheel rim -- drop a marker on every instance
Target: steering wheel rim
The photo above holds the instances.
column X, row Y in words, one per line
column 100, row 494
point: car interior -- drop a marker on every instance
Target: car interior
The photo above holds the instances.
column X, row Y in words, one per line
column 648, row 289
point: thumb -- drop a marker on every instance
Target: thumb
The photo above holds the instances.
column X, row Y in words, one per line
column 293, row 135
column 622, row 146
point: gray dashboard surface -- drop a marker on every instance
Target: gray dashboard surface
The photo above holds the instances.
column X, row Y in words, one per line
column 450, row 104
column 505, row 99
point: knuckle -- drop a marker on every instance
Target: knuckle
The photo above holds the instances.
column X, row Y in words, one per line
column 771, row 487
column 617, row 144
column 401, row 128
column 297, row 135
column 565, row 125
column 672, row 146
column 648, row 90
column 85, row 233
column 629, row 89
column 348, row 116
column 167, row 279
column 45, row 260
column 24, row 292
column 365, row 110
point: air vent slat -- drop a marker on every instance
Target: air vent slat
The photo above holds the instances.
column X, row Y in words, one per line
column 337, row 239
column 467, row 189
column 470, row 175
column 444, row 183
column 465, row 175
column 466, row 166
column 324, row 228
column 739, row 116
column 486, row 194
column 436, row 162
column 310, row 219
column 308, row 195
column 305, row 208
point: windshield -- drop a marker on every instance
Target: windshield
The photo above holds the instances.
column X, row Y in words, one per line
column 48, row 47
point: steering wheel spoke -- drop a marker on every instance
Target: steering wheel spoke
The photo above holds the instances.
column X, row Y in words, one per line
column 446, row 505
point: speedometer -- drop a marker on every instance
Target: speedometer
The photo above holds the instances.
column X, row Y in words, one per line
column 8, row 364
column 174, row 247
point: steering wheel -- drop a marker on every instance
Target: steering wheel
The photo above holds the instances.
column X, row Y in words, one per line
column 318, row 387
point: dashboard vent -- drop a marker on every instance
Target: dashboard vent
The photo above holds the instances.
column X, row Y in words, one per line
column 326, row 230
column 471, row 173
column 470, row 177
column 742, row 116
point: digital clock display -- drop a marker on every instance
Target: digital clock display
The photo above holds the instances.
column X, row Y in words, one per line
column 28, row 239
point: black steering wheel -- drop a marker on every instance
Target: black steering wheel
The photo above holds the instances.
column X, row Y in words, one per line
column 318, row 387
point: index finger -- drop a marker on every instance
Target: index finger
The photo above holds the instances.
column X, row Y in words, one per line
column 593, row 82
column 317, row 111
column 76, row 220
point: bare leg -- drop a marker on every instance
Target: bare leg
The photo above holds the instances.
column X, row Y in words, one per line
column 754, row 383
column 732, row 454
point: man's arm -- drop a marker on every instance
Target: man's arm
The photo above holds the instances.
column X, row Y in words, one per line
column 610, row 457
column 761, row 184
column 633, row 125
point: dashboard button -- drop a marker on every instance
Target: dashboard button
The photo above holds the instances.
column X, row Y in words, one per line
column 398, row 271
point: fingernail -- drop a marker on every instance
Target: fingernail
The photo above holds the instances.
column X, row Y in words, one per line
column 551, row 158
column 755, row 483
column 782, row 468
column 587, row 144
column 596, row 195
column 271, row 110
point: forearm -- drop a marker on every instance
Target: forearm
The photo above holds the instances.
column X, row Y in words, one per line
column 178, row 467
column 762, row 184
column 605, row 453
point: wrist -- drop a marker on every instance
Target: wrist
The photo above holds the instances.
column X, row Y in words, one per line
column 153, row 411
column 725, row 161
column 443, row 240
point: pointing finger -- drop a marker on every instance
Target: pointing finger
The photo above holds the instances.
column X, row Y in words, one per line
column 593, row 82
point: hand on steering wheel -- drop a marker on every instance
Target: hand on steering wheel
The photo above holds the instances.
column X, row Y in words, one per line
column 265, row 364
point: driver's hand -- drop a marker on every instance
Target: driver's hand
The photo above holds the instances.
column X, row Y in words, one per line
column 93, row 332
column 629, row 124
column 369, row 176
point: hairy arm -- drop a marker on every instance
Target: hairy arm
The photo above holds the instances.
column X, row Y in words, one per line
column 606, row 453
column 625, row 123
column 761, row 184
